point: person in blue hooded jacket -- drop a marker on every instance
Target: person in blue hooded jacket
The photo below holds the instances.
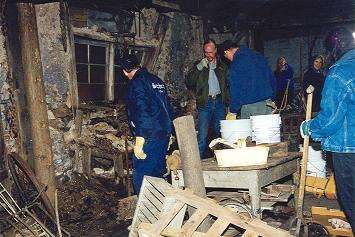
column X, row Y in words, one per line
column 284, row 82
column 251, row 81
column 150, row 116
column 334, row 127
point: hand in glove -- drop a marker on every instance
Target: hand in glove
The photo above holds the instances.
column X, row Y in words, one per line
column 304, row 128
column 231, row 116
column 138, row 148
column 203, row 63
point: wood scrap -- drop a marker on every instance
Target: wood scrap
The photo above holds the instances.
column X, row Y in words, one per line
column 169, row 205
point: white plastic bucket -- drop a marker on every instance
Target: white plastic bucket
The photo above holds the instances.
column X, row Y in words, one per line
column 232, row 130
column 266, row 128
column 316, row 165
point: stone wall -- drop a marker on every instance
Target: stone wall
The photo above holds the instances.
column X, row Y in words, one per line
column 7, row 107
column 55, row 55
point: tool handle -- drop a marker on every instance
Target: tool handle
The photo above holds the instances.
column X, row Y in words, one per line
column 309, row 91
column 301, row 188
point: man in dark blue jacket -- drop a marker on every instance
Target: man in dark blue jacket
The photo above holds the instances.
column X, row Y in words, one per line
column 251, row 81
column 150, row 117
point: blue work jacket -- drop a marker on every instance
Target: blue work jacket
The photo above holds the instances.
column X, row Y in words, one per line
column 148, row 106
column 282, row 78
column 250, row 79
column 334, row 126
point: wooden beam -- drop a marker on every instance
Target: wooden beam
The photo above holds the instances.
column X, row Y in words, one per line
column 92, row 34
column 166, row 4
column 110, row 79
column 190, row 155
column 73, row 81
column 35, row 94
column 17, row 76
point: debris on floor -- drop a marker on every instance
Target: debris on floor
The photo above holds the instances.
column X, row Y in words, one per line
column 90, row 207
column 162, row 211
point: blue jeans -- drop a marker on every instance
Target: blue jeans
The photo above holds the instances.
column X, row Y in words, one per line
column 344, row 173
column 212, row 113
column 153, row 165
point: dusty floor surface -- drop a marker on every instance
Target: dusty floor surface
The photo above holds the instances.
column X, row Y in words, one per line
column 90, row 207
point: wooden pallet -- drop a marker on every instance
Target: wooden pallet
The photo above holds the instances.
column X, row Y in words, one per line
column 206, row 217
column 150, row 202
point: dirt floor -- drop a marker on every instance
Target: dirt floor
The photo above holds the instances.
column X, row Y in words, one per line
column 89, row 207
column 99, row 207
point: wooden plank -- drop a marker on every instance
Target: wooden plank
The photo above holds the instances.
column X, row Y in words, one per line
column 151, row 208
column 156, row 193
column 73, row 81
column 142, row 217
column 218, row 227
column 171, row 208
column 155, row 201
column 151, row 192
column 249, row 233
column 160, row 184
column 277, row 150
column 214, row 209
column 170, row 5
column 176, row 233
column 86, row 161
column 194, row 221
column 91, row 34
column 144, row 208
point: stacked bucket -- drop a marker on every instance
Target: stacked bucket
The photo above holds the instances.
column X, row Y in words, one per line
column 266, row 128
column 262, row 129
column 232, row 130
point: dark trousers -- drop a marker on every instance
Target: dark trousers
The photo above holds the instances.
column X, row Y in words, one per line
column 344, row 173
column 153, row 165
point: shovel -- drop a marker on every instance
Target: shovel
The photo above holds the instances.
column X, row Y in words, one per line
column 301, row 189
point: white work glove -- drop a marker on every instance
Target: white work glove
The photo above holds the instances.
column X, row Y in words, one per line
column 203, row 63
column 138, row 148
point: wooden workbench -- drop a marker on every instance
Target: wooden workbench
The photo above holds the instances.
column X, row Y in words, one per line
column 252, row 178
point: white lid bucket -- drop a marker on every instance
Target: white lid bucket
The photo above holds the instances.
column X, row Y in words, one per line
column 232, row 130
column 316, row 165
column 266, row 128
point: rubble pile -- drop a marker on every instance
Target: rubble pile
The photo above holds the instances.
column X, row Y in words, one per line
column 103, row 129
column 90, row 207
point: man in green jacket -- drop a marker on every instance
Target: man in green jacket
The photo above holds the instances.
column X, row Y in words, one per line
column 207, row 80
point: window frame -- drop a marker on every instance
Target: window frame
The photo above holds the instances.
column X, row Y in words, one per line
column 89, row 43
column 110, row 65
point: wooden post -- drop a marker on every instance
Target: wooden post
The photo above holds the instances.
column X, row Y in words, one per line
column 73, row 82
column 35, row 95
column 190, row 155
column 16, row 81
column 110, row 79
